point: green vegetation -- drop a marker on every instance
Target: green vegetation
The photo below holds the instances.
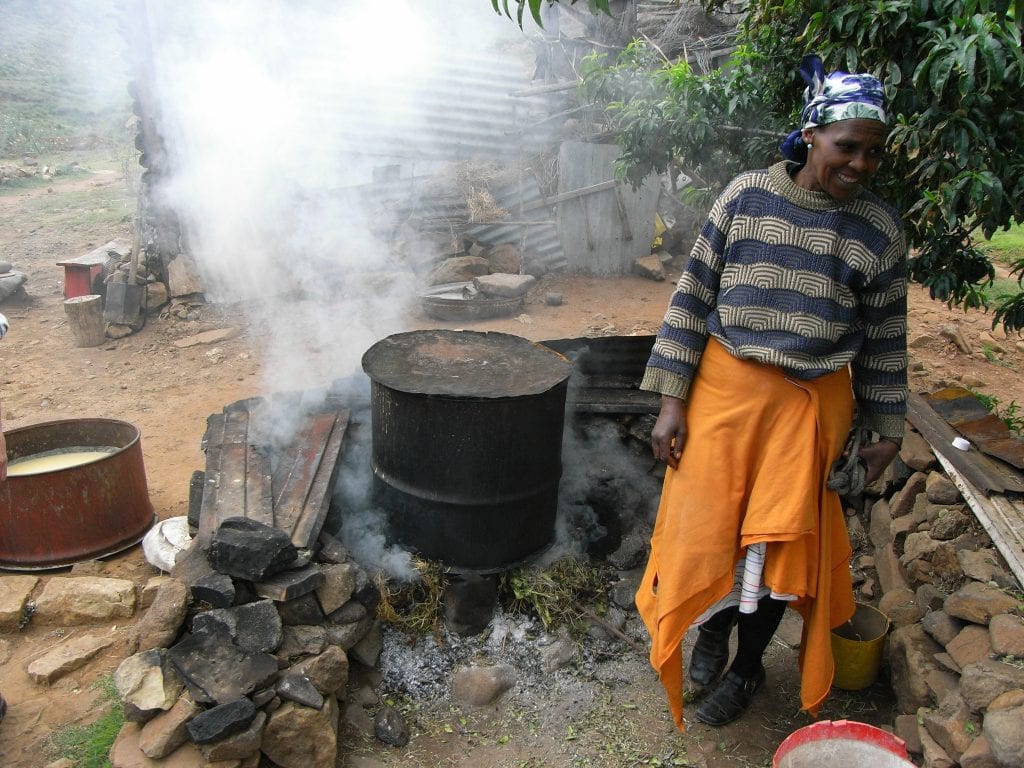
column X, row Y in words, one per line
column 558, row 595
column 953, row 71
column 89, row 746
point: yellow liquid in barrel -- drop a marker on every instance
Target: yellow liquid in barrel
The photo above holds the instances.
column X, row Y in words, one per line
column 51, row 461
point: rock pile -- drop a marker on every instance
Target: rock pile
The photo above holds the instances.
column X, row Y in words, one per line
column 956, row 651
column 245, row 651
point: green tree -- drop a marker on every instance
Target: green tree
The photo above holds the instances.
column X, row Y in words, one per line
column 953, row 72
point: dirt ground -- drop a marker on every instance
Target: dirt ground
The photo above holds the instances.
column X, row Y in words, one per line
column 614, row 715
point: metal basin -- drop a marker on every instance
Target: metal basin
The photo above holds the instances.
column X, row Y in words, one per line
column 52, row 519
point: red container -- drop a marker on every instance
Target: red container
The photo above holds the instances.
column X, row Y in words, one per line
column 57, row 518
column 842, row 744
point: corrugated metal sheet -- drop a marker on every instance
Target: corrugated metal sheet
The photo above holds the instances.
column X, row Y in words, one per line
column 462, row 110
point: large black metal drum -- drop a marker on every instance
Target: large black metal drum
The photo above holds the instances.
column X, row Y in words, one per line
column 467, row 442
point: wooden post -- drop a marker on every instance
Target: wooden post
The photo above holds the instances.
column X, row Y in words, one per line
column 85, row 318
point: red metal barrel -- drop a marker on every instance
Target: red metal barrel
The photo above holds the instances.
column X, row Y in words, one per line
column 60, row 517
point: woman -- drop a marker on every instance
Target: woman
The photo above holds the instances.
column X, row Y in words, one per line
column 789, row 315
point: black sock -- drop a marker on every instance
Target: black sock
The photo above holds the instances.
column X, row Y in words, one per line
column 755, row 632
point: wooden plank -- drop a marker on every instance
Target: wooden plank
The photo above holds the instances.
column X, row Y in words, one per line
column 231, row 485
column 300, row 460
column 259, row 495
column 605, row 400
column 1000, row 516
column 318, row 501
column 977, row 468
column 213, row 438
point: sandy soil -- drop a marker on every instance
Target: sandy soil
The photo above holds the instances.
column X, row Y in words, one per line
column 614, row 717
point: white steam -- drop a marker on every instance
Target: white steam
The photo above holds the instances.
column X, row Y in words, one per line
column 269, row 110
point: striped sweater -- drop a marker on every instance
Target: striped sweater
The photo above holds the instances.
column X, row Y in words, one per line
column 796, row 279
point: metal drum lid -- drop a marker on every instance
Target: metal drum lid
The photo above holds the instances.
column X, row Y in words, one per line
column 465, row 364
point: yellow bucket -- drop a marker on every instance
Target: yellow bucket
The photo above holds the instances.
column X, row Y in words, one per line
column 857, row 648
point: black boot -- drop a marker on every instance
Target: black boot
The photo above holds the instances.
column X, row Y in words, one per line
column 730, row 699
column 710, row 655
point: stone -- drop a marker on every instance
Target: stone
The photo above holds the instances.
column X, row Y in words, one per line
column 157, row 296
column 367, row 650
column 147, row 594
column 14, row 594
column 879, row 529
column 166, row 732
column 979, row 755
column 983, row 681
column 366, row 592
column 216, row 590
column 505, row 286
column 67, row 657
column 941, row 682
column 247, row 549
column 939, row 489
column 950, row 523
column 243, row 745
column 125, row 752
column 254, row 627
column 930, row 597
column 918, row 545
column 148, row 682
column 906, row 728
column 390, row 727
column 301, row 641
column 480, row 685
column 217, row 671
column 301, row 737
column 903, row 500
column 85, row 600
column 161, row 623
column 290, row 584
column 982, row 565
column 292, row 686
column 458, row 269
column 215, row 336
column 941, row 626
column 327, row 671
column 911, row 657
column 887, row 566
column 916, row 453
column 623, row 592
column 338, row 586
column 901, row 606
column 970, row 645
column 934, row 755
column 631, row 552
column 557, row 655
column 1002, row 729
column 950, row 725
column 553, row 299
column 220, row 721
column 650, row 267
column 331, row 550
column 504, row 257
column 302, row 610
column 978, row 602
column 1006, row 634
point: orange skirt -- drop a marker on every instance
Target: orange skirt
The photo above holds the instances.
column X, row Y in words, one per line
column 753, row 468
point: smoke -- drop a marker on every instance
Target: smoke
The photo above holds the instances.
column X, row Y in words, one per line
column 272, row 113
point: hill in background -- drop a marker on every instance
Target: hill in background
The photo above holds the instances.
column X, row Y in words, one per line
column 63, row 75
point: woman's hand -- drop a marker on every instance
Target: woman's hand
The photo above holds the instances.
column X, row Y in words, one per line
column 877, row 456
column 669, row 433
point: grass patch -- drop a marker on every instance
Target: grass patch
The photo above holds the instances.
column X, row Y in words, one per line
column 89, row 746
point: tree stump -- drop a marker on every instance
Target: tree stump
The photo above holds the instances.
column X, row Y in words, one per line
column 85, row 318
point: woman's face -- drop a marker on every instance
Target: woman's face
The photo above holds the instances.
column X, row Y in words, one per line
column 841, row 156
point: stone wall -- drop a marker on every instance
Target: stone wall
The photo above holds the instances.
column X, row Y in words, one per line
column 956, row 649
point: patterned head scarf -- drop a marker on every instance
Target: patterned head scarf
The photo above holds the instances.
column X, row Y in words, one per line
column 828, row 99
